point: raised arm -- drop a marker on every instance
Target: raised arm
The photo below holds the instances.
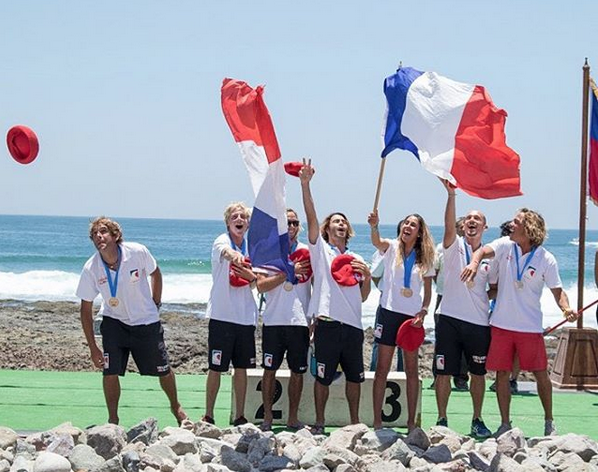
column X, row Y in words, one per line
column 305, row 175
column 377, row 241
column 450, row 215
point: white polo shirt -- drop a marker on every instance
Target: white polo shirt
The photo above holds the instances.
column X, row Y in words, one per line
column 288, row 308
column 459, row 301
column 518, row 309
column 392, row 298
column 228, row 303
column 438, row 268
column 136, row 306
column 328, row 298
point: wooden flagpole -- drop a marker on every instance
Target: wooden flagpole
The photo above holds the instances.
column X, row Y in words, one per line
column 379, row 187
column 583, row 191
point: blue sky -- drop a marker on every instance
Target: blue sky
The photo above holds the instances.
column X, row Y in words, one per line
column 125, row 99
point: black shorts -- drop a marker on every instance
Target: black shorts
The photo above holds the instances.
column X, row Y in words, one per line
column 456, row 337
column 144, row 342
column 387, row 325
column 294, row 340
column 338, row 343
column 230, row 342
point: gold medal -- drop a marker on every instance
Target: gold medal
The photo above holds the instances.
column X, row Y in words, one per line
column 406, row 292
column 519, row 284
column 288, row 286
column 470, row 284
column 113, row 302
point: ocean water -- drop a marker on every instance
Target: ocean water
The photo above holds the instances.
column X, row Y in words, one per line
column 41, row 258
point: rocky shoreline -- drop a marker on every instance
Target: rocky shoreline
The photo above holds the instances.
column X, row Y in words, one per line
column 47, row 336
column 202, row 447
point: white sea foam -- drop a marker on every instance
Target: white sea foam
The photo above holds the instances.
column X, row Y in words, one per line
column 195, row 288
column 575, row 242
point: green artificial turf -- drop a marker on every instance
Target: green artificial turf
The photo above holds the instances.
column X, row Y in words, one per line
column 37, row 401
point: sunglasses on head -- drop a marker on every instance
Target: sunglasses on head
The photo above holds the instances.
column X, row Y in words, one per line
column 293, row 223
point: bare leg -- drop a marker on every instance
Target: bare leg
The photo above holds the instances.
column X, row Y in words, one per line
column 503, row 395
column 443, row 392
column 385, row 354
column 212, row 387
column 544, row 392
column 476, row 389
column 268, row 382
column 321, row 397
column 111, row 386
column 240, row 386
column 168, row 384
column 516, row 368
column 412, row 374
column 295, row 389
column 353, row 392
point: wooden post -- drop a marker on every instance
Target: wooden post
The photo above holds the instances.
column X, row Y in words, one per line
column 576, row 361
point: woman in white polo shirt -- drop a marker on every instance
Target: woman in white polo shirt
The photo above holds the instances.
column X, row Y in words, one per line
column 408, row 271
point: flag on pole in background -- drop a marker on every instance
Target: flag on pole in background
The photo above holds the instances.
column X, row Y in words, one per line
column 593, row 166
column 455, row 131
column 249, row 121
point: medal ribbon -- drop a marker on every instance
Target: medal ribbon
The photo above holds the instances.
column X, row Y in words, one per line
column 242, row 249
column 527, row 260
column 112, row 284
column 409, row 263
column 467, row 256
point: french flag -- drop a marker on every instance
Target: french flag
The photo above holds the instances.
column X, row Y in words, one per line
column 455, row 131
column 593, row 168
column 250, row 123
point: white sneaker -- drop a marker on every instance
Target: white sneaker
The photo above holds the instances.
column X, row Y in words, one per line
column 549, row 428
column 503, row 428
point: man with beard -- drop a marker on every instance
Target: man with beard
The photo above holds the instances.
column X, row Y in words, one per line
column 524, row 267
column 336, row 305
column 130, row 317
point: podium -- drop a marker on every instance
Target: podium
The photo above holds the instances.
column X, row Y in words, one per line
column 394, row 412
column 576, row 362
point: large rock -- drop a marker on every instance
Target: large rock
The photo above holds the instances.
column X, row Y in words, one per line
column 22, row 464
column 83, row 457
column 346, row 438
column 163, row 452
column 313, row 458
column 567, row 461
column 145, row 432
column 399, row 451
column 377, row 440
column 438, row 454
column 207, row 430
column 50, row 462
column 260, row 448
column 510, row 442
column 78, row 435
column 61, row 444
column 272, row 463
column 417, row 437
column 190, row 463
column 478, row 462
column 503, row 463
column 112, row 465
column 8, row 438
column 181, row 441
column 583, row 446
column 234, row 460
column 107, row 440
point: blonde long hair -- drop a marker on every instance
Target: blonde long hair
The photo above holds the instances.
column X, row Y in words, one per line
column 424, row 245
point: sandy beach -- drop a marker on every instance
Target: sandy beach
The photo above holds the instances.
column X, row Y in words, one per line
column 47, row 336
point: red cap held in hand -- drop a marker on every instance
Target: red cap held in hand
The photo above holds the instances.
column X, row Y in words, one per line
column 298, row 256
column 234, row 279
column 343, row 272
column 409, row 337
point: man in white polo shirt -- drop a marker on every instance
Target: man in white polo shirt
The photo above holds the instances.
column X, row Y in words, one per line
column 462, row 327
column 338, row 332
column 285, row 326
column 119, row 272
column 524, row 267
column 232, row 312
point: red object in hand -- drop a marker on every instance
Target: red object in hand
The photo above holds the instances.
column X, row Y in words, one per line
column 409, row 337
column 343, row 272
column 301, row 255
column 293, row 168
column 236, row 280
